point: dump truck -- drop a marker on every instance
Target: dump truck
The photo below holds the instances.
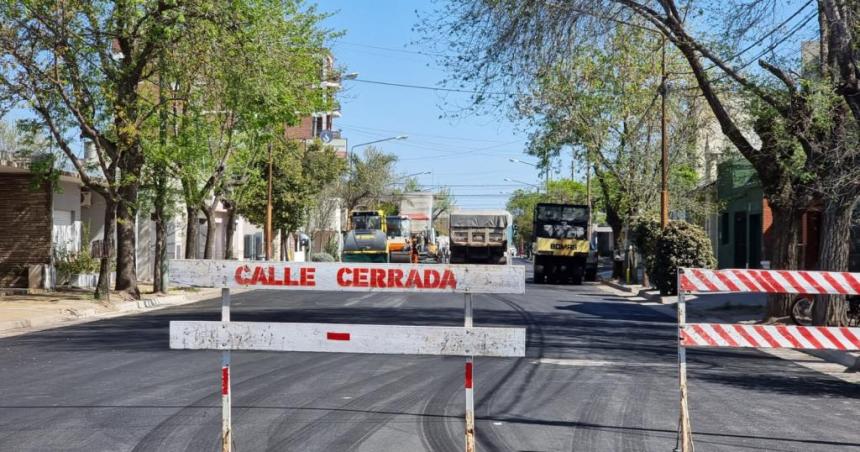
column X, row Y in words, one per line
column 399, row 244
column 479, row 236
column 562, row 246
column 366, row 240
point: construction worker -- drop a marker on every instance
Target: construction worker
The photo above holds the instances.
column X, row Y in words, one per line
column 415, row 254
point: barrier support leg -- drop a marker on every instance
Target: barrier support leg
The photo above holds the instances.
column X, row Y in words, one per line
column 686, row 434
column 470, row 394
column 226, row 418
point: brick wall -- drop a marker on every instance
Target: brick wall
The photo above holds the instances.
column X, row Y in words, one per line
column 25, row 218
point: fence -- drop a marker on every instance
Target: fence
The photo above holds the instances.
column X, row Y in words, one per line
column 468, row 341
column 696, row 280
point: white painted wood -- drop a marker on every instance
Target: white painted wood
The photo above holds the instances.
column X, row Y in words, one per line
column 350, row 277
column 379, row 339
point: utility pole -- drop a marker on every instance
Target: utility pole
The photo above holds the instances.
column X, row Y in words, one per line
column 664, row 144
column 268, row 230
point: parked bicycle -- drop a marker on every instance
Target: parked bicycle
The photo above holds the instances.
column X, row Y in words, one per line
column 803, row 305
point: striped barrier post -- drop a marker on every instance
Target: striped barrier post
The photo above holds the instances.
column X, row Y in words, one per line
column 226, row 404
column 469, row 382
column 468, row 341
column 698, row 280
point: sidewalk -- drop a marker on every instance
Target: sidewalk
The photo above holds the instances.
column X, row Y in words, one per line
column 21, row 314
column 745, row 308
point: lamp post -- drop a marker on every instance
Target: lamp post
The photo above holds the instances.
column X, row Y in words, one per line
column 545, row 174
column 398, row 137
column 537, row 187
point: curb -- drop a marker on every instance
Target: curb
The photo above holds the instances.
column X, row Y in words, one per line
column 90, row 314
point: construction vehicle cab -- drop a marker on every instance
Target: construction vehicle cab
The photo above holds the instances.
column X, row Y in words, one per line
column 399, row 246
column 366, row 240
column 562, row 246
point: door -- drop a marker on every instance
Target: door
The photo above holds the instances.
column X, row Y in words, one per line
column 755, row 240
column 740, row 242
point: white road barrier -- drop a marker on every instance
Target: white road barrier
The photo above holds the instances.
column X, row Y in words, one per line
column 348, row 338
column 350, row 277
column 468, row 341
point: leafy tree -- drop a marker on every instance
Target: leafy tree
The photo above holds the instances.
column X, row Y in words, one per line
column 300, row 171
column 504, row 47
column 367, row 183
column 81, row 67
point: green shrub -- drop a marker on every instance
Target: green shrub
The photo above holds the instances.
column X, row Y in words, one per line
column 681, row 244
column 322, row 257
column 69, row 263
column 646, row 232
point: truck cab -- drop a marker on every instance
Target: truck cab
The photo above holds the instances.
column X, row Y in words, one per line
column 562, row 245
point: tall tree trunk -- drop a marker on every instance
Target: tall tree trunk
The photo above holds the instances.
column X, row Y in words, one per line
column 229, row 229
column 835, row 249
column 191, row 231
column 108, row 250
column 159, row 269
column 126, row 273
column 209, row 244
column 783, row 244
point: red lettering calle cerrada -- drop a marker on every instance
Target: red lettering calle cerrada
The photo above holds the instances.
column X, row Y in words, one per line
column 395, row 278
column 270, row 276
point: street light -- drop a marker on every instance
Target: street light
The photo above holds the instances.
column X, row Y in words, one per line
column 546, row 171
column 508, row 179
column 523, row 162
column 398, row 137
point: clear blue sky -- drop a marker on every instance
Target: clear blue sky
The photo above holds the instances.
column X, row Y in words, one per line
column 378, row 44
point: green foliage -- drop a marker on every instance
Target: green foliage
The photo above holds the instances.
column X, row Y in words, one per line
column 368, row 182
column 681, row 244
column 299, row 173
column 646, row 233
column 69, row 263
column 322, row 257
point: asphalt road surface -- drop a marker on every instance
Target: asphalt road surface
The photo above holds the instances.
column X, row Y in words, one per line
column 600, row 375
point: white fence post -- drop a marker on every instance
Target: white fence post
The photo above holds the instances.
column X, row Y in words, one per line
column 468, row 384
column 226, row 418
column 684, row 419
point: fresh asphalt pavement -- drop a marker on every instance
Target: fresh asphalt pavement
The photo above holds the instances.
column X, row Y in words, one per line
column 599, row 375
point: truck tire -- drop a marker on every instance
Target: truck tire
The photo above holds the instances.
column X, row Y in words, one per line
column 538, row 278
column 577, row 276
column 591, row 274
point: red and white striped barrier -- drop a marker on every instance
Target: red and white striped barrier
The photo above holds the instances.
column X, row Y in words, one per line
column 699, row 280
column 770, row 336
column 769, row 281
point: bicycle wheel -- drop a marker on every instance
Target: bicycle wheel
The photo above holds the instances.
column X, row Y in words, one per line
column 801, row 310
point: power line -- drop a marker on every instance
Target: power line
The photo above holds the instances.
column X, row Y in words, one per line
column 432, row 88
column 392, row 49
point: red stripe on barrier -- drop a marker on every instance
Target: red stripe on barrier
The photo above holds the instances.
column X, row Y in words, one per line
column 686, row 284
column 812, row 282
column 851, row 337
column 766, row 336
column 743, row 332
column 701, row 332
column 830, row 337
column 743, row 278
column 852, row 281
column 783, row 331
column 725, row 335
column 790, row 279
column 711, row 287
column 337, row 336
column 728, row 282
column 833, row 283
column 468, row 383
column 225, row 380
column 809, row 337
column 775, row 286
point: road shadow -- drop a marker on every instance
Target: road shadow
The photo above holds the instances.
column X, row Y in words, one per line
column 617, row 311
